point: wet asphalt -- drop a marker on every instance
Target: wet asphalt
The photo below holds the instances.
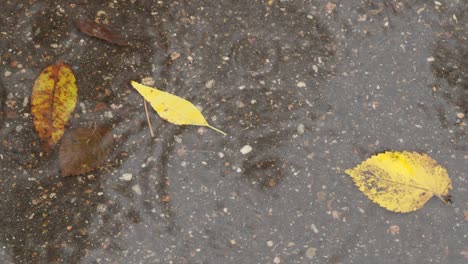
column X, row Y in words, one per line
column 304, row 89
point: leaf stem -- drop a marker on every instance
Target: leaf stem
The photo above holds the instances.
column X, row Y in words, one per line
column 446, row 199
column 217, row 130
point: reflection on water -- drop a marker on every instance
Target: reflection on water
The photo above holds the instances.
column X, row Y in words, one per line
column 312, row 88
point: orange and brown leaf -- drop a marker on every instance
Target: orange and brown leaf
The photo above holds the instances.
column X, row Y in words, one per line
column 53, row 99
column 84, row 149
column 101, row 31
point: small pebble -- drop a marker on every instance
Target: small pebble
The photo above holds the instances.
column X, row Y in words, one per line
column 314, row 228
column 311, row 252
column 239, row 104
column 270, row 243
column 175, row 55
column 209, row 84
column 430, row 59
column 149, row 81
column 276, row 260
column 136, row 189
column 246, row 149
column 460, row 115
column 301, row 84
column 300, row 129
column 7, row 73
column 126, row 177
column 315, row 68
column 101, row 208
column 178, row 139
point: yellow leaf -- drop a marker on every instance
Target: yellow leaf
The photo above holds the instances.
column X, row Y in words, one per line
column 173, row 108
column 401, row 181
column 53, row 99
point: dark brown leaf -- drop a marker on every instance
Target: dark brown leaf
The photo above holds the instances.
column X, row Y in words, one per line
column 84, row 149
column 101, row 31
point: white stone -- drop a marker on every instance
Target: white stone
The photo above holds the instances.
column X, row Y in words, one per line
column 246, row 149
column 149, row 81
column 301, row 84
column 300, row 129
column 136, row 189
column 209, row 84
column 311, row 252
column 126, row 177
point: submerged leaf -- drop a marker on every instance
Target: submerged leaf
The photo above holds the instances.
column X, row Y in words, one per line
column 84, row 149
column 173, row 108
column 401, row 181
column 101, row 31
column 53, row 99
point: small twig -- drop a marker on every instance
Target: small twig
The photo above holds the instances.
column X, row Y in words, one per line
column 148, row 119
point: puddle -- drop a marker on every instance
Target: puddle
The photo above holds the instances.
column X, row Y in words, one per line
column 313, row 88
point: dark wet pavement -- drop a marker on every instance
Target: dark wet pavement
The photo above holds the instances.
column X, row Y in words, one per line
column 313, row 87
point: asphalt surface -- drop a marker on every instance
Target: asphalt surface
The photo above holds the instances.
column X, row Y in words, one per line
column 313, row 87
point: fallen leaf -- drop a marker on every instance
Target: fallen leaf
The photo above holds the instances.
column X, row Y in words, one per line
column 401, row 181
column 84, row 149
column 173, row 108
column 100, row 31
column 53, row 99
